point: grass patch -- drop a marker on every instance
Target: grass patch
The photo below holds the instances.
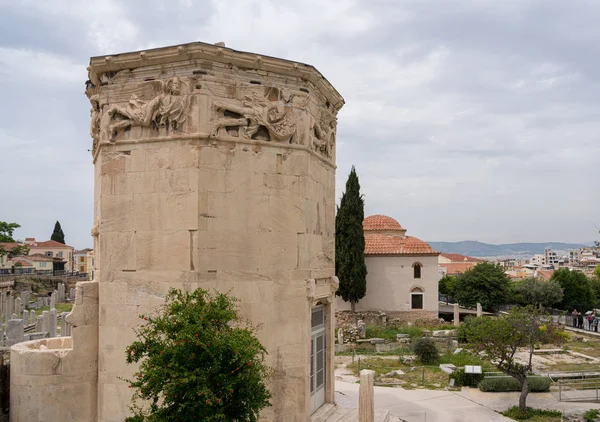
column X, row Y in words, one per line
column 464, row 358
column 434, row 378
column 400, row 352
column 60, row 307
column 389, row 333
column 533, row 415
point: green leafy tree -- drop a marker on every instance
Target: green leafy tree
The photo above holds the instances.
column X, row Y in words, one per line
column 577, row 289
column 350, row 264
column 500, row 338
column 447, row 286
column 539, row 293
column 7, row 230
column 597, row 272
column 595, row 285
column 486, row 283
column 57, row 234
column 199, row 361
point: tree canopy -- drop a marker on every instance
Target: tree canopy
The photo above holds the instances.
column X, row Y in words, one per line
column 532, row 291
column 7, row 230
column 198, row 362
column 500, row 338
column 57, row 234
column 577, row 289
column 447, row 286
column 486, row 283
column 350, row 264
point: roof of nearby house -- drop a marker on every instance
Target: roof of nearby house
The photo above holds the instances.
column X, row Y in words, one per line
column 21, row 262
column 380, row 222
column 458, row 267
column 393, row 240
column 9, row 245
column 456, row 257
column 49, row 244
column 382, row 244
column 40, row 258
column 83, row 251
column 545, row 274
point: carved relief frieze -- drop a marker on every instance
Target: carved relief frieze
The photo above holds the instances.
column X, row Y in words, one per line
column 155, row 104
column 238, row 106
column 167, row 109
column 264, row 114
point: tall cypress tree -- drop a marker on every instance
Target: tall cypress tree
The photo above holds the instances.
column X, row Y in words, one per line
column 58, row 234
column 350, row 243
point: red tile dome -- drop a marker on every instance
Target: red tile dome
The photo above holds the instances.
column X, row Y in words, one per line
column 381, row 222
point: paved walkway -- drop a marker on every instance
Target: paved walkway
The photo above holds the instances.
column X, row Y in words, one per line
column 421, row 405
column 448, row 406
column 582, row 331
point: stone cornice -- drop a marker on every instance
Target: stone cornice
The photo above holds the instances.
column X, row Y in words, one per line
column 214, row 140
column 199, row 50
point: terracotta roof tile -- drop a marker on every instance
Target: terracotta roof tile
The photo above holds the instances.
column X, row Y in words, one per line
column 49, row 244
column 382, row 244
column 22, row 263
column 545, row 274
column 457, row 267
column 380, row 222
column 456, row 257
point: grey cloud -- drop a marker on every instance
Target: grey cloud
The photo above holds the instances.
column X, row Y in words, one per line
column 464, row 118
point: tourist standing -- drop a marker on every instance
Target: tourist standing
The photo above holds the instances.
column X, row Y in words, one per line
column 580, row 320
column 574, row 316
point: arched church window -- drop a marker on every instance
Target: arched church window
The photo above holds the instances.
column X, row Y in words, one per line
column 417, row 270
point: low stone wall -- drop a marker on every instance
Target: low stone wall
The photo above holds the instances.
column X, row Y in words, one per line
column 55, row 379
column 417, row 318
column 383, row 319
column 350, row 319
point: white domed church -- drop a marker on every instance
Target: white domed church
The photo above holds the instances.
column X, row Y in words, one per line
column 402, row 278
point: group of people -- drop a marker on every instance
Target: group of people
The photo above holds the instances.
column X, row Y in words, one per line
column 589, row 321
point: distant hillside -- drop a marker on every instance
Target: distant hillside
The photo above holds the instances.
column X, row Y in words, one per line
column 479, row 249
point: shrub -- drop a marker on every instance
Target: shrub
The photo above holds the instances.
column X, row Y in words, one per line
column 197, row 361
column 462, row 379
column 503, row 384
column 461, row 331
column 591, row 415
column 426, row 350
column 515, row 412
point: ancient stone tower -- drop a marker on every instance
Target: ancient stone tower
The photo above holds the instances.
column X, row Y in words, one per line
column 216, row 169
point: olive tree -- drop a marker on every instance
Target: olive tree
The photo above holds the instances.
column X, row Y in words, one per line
column 501, row 338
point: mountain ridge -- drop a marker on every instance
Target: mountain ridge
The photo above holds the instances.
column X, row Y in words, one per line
column 523, row 249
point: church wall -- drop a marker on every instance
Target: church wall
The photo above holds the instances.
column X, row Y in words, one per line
column 389, row 283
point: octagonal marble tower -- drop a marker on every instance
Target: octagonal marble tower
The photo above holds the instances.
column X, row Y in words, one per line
column 216, row 169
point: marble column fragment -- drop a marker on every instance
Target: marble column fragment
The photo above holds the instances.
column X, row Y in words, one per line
column 366, row 396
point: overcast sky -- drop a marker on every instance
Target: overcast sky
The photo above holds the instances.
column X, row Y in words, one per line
column 466, row 119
